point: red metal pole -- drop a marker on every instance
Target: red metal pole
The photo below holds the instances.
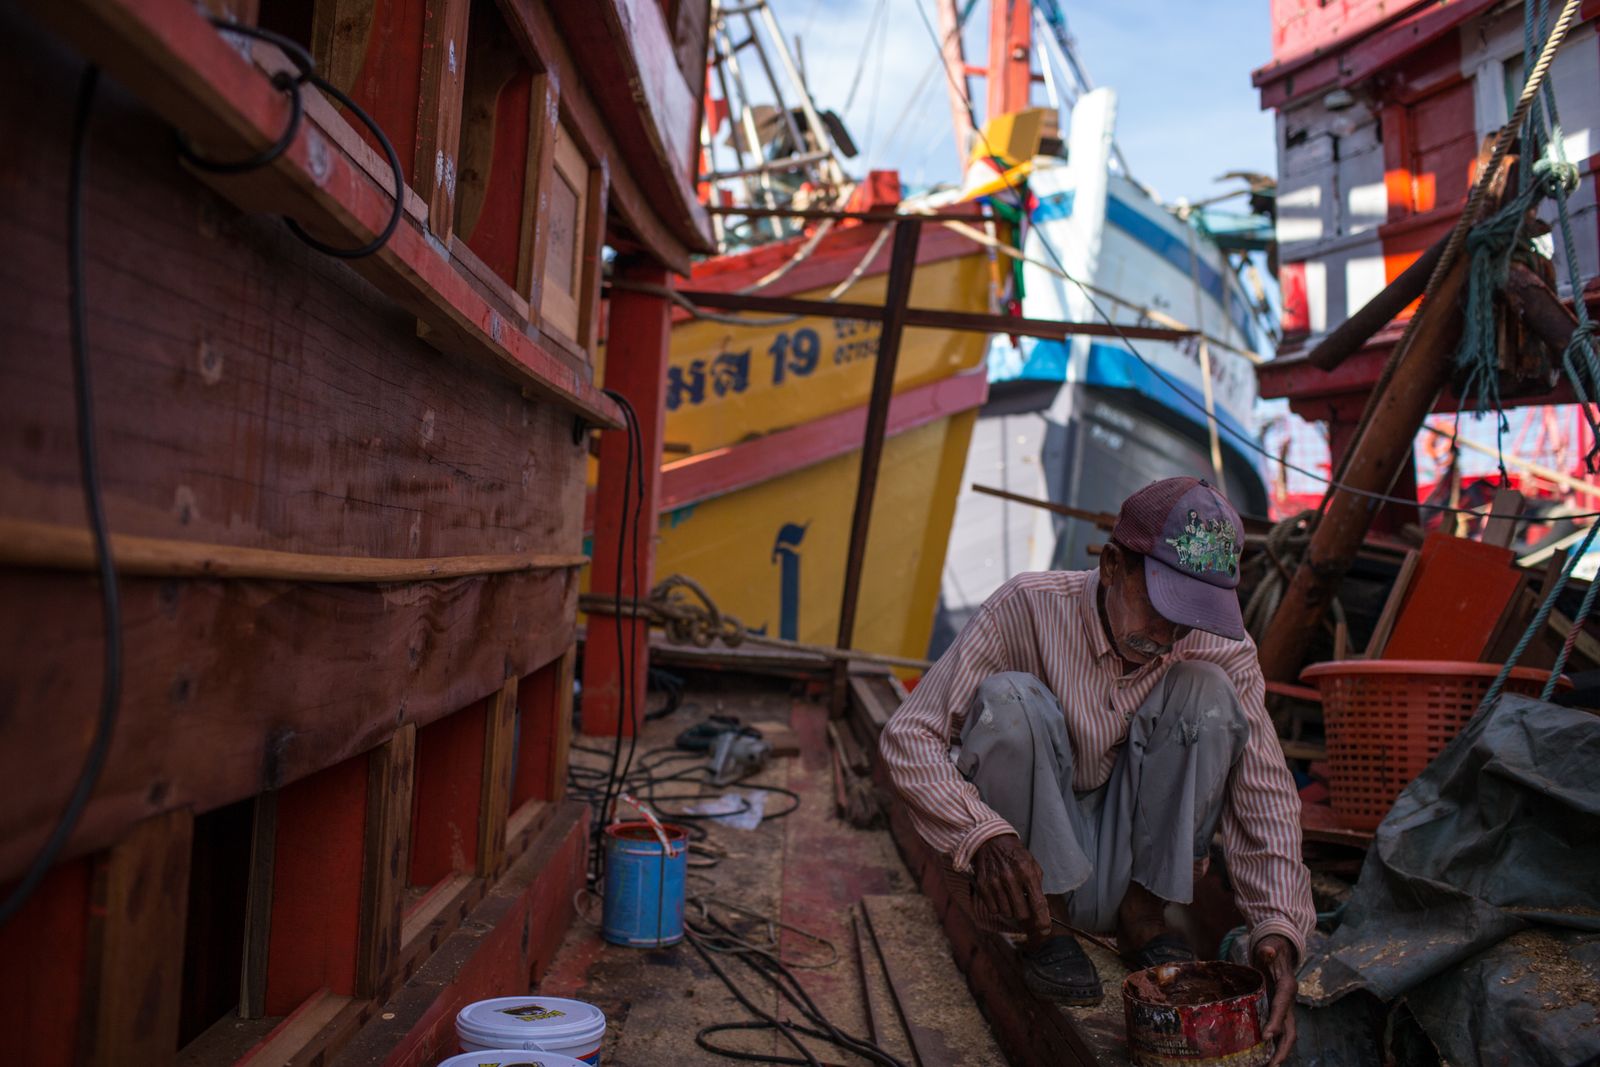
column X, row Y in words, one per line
column 638, row 332
column 1010, row 55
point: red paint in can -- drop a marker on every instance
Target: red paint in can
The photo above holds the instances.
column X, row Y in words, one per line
column 1193, row 1014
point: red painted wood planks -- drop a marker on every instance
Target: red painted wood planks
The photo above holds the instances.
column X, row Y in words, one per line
column 316, row 886
column 1459, row 591
column 41, row 1003
column 448, row 795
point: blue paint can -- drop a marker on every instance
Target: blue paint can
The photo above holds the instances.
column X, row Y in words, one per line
column 644, row 884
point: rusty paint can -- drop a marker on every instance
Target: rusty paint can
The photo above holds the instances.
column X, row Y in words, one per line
column 1193, row 1014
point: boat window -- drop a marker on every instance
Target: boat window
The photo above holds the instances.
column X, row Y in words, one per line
column 563, row 267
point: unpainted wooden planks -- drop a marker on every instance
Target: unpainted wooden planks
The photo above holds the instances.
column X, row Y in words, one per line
column 136, row 929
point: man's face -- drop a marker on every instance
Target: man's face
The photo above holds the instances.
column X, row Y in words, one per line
column 1138, row 631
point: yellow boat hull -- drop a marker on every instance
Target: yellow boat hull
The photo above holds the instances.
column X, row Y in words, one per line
column 763, row 430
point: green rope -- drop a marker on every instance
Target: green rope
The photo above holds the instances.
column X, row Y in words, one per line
column 1539, row 619
column 1493, row 245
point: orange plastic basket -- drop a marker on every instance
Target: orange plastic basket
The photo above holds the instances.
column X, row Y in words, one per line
column 1386, row 720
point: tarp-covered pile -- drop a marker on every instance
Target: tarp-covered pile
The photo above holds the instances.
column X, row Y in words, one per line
column 1479, row 903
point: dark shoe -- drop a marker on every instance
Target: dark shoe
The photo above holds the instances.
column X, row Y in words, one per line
column 1060, row 970
column 1163, row 948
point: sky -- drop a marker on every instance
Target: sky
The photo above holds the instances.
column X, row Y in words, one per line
column 1181, row 68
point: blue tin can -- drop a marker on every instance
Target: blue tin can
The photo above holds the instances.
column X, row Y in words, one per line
column 644, row 885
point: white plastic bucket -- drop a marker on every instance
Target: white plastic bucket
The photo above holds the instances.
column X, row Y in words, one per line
column 511, row 1057
column 541, row 1024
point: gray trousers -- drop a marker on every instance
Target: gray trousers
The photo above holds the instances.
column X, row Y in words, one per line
column 1150, row 821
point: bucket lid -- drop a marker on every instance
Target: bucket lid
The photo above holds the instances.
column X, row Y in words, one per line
column 512, row 1057
column 530, row 1022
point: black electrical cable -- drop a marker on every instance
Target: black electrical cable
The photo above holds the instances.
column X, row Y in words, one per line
column 614, row 784
column 630, row 531
column 287, row 84
column 768, row 1021
column 294, row 86
column 89, row 464
column 718, row 937
column 399, row 182
column 284, row 81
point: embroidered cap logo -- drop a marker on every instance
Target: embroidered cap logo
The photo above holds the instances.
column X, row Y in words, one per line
column 1207, row 546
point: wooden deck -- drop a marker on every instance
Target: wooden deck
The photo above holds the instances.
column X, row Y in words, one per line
column 808, row 869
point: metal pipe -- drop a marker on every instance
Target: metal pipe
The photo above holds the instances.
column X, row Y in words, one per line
column 795, row 135
column 731, row 62
column 818, row 130
column 902, row 265
column 776, row 166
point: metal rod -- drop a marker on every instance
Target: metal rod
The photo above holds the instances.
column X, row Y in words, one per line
column 777, row 93
column 902, row 265
column 818, row 130
column 1103, row 519
column 775, row 166
column 731, row 62
column 750, row 188
column 927, row 318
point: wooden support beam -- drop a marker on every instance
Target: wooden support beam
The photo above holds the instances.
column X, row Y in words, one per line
column 391, row 778
column 195, row 78
column 902, row 267
column 1499, row 530
column 1391, row 606
column 1347, row 338
column 1103, row 519
column 1398, row 413
column 636, row 363
column 927, row 318
column 1540, row 308
column 494, row 805
column 385, row 656
column 444, row 51
column 545, row 116
column 136, row 925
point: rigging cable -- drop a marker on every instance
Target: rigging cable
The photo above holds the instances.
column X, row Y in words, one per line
column 93, row 498
column 1239, row 435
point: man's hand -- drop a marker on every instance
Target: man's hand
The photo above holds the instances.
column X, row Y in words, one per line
column 1274, row 956
column 1008, row 882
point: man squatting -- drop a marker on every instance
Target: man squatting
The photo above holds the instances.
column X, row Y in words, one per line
column 1086, row 735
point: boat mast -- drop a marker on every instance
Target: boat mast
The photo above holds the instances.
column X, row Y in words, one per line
column 1010, row 56
column 956, row 84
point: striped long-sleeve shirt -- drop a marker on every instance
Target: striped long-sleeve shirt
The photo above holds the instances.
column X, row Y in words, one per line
column 1047, row 624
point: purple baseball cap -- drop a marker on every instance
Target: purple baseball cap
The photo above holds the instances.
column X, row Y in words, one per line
column 1190, row 537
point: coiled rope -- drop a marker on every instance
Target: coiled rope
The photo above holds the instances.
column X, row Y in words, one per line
column 688, row 615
